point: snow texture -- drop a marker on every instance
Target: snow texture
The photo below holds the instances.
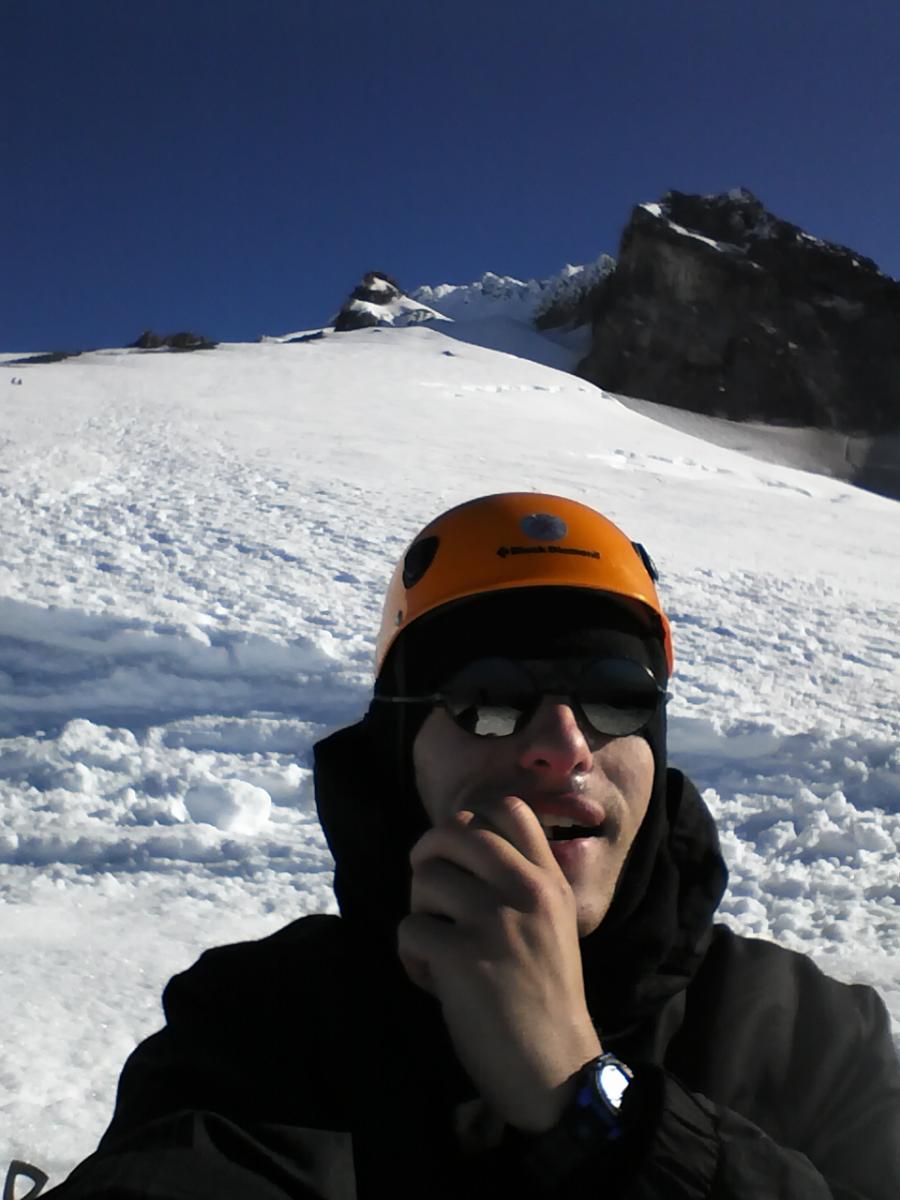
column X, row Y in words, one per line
column 194, row 552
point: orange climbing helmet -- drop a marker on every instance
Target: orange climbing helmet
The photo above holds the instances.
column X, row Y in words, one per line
column 518, row 540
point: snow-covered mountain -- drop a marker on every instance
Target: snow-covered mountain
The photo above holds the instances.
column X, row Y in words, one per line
column 550, row 321
column 494, row 296
column 195, row 549
column 378, row 301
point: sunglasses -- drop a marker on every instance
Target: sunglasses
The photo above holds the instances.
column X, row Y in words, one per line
column 496, row 697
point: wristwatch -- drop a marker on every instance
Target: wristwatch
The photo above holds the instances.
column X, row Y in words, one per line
column 597, row 1107
column 591, row 1122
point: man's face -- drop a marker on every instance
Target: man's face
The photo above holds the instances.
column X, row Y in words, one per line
column 567, row 774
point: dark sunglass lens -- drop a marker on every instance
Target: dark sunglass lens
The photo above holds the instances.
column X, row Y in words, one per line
column 618, row 696
column 488, row 697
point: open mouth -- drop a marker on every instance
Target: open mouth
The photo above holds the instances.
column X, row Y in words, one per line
column 562, row 829
column 563, row 833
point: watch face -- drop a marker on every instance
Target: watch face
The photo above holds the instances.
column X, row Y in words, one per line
column 612, row 1081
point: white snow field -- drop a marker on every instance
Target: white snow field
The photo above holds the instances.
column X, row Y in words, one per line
column 193, row 550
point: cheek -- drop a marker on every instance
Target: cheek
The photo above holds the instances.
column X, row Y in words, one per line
column 423, row 771
column 643, row 769
column 436, row 766
column 632, row 765
column 448, row 764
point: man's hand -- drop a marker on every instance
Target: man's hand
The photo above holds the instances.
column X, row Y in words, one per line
column 492, row 933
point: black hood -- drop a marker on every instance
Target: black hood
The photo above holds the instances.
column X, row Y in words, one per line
column 648, row 946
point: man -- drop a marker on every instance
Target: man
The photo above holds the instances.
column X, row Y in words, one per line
column 525, row 994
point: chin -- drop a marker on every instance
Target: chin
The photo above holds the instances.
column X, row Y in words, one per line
column 591, row 914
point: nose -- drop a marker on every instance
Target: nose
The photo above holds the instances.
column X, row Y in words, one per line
column 553, row 741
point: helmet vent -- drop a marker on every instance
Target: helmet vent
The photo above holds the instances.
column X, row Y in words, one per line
column 544, row 527
column 419, row 558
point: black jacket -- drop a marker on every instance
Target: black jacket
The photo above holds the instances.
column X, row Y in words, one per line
column 305, row 1064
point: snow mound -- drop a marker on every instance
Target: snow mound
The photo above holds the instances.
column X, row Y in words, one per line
column 234, row 806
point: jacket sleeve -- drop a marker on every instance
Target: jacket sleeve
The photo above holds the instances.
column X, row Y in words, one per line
column 683, row 1146
column 701, row 1150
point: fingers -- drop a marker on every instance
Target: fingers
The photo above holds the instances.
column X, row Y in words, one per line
column 479, row 854
column 515, row 820
column 506, row 817
column 465, row 867
column 443, row 889
column 420, row 939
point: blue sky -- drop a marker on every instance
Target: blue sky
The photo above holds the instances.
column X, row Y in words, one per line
column 233, row 166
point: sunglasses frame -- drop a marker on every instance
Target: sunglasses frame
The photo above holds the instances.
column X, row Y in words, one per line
column 443, row 699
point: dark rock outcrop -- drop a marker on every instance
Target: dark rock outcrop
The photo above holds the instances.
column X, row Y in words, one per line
column 189, row 341
column 718, row 307
column 573, row 295
column 149, row 341
column 380, row 301
column 31, row 360
column 354, row 318
column 173, row 341
column 376, row 288
column 306, row 337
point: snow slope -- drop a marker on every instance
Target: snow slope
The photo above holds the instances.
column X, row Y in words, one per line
column 194, row 549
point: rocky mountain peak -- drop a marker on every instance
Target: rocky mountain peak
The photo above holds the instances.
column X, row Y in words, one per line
column 379, row 300
column 736, row 217
column 720, row 307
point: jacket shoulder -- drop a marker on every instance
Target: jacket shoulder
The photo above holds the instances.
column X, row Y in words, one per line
column 792, row 968
column 296, row 962
column 797, row 1038
column 252, row 1029
column 784, row 986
